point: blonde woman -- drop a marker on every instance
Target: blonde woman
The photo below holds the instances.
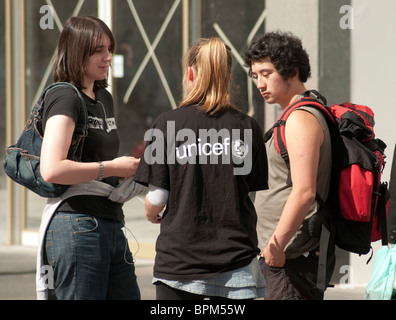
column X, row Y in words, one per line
column 201, row 161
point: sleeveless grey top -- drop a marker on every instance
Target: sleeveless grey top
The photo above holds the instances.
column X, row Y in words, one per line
column 269, row 203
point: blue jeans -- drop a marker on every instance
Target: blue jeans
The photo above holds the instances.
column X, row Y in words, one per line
column 90, row 258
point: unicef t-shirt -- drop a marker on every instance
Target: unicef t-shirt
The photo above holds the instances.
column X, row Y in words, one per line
column 209, row 164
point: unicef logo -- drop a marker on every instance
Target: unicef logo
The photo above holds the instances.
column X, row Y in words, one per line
column 239, row 149
column 209, row 147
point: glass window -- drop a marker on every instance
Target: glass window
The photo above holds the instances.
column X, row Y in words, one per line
column 42, row 37
column 237, row 22
column 151, row 83
column 149, row 45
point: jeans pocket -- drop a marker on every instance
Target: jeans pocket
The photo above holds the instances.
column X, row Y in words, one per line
column 90, row 241
column 85, row 224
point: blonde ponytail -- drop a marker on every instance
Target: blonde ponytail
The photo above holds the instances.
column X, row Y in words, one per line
column 212, row 61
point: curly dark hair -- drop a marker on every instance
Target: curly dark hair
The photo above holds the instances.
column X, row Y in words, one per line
column 285, row 52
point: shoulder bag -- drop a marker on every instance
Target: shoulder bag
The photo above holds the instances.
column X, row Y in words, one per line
column 22, row 160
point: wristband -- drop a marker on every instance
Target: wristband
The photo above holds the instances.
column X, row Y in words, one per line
column 101, row 171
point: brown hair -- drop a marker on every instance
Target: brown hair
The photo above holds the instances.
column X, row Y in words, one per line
column 212, row 61
column 77, row 42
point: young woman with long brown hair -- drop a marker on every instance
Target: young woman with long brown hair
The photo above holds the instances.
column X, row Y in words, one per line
column 82, row 236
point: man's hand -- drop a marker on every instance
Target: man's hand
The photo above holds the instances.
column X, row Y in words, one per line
column 274, row 256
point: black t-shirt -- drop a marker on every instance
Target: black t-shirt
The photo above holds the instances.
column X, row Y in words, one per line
column 209, row 164
column 101, row 144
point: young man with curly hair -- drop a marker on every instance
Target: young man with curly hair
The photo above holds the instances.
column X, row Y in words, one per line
column 280, row 65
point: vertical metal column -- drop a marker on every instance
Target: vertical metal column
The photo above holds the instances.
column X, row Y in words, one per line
column 9, row 113
column 195, row 20
column 15, row 110
column 105, row 13
column 185, row 26
column 20, row 90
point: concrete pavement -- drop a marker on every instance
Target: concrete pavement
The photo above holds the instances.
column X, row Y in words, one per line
column 18, row 267
column 18, row 263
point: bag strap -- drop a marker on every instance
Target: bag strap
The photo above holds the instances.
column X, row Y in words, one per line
column 324, row 242
column 83, row 115
column 310, row 99
column 81, row 129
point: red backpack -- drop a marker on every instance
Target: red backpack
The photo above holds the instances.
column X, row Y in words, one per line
column 354, row 213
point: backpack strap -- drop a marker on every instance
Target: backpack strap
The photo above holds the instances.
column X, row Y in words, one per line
column 310, row 99
column 324, row 242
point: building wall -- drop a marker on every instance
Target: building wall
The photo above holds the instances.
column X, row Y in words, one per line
column 303, row 21
column 373, row 66
column 351, row 60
